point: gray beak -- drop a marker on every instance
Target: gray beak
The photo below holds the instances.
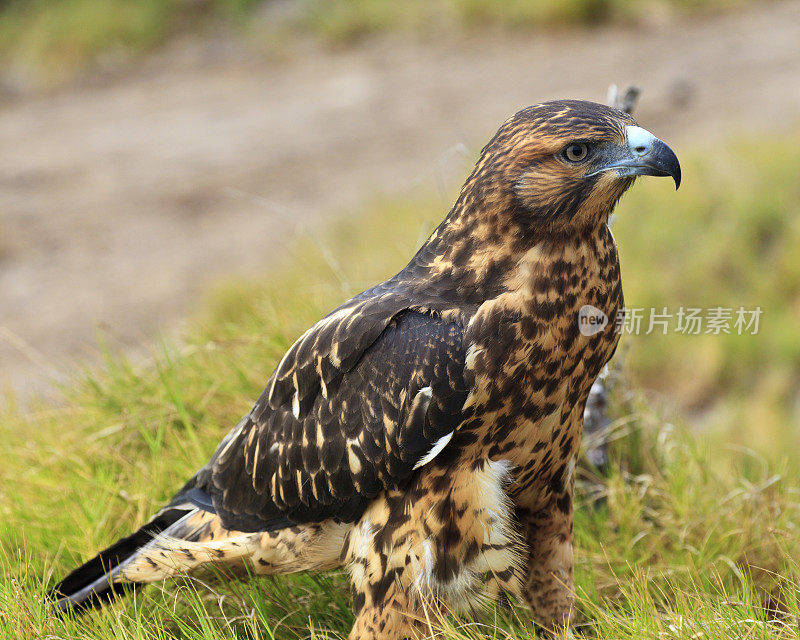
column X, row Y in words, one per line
column 648, row 156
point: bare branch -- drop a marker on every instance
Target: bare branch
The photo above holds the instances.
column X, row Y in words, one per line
column 595, row 418
column 624, row 100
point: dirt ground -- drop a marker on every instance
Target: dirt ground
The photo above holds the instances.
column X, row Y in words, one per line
column 122, row 199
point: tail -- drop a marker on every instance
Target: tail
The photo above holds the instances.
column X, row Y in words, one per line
column 180, row 538
column 183, row 536
column 99, row 580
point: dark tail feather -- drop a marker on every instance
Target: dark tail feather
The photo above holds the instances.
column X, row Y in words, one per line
column 92, row 584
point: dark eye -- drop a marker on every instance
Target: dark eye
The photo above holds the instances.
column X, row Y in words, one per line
column 576, row 152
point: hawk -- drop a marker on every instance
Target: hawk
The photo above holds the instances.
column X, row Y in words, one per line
column 424, row 434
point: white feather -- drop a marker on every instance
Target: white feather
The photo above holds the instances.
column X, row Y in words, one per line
column 296, row 407
column 440, row 444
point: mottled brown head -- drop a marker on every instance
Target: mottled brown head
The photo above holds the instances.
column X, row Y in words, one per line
column 564, row 164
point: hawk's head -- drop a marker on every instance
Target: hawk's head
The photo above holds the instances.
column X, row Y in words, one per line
column 565, row 164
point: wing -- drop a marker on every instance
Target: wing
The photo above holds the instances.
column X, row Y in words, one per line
column 342, row 419
column 332, row 347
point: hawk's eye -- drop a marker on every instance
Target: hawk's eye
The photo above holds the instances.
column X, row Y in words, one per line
column 577, row 152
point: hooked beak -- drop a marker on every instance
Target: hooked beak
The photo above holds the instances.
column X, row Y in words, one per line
column 646, row 155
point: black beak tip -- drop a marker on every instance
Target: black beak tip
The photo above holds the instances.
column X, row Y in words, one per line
column 666, row 160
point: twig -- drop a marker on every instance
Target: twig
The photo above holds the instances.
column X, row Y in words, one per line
column 595, row 414
column 623, row 100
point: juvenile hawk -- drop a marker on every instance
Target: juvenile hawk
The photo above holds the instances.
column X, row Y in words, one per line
column 424, row 433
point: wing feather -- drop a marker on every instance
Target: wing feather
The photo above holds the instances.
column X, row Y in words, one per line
column 355, row 404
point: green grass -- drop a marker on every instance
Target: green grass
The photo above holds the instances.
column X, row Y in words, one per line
column 58, row 38
column 688, row 536
column 347, row 20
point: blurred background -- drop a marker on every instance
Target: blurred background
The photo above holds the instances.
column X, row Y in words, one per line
column 165, row 160
column 187, row 185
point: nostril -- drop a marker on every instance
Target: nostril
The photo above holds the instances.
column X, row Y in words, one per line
column 640, row 149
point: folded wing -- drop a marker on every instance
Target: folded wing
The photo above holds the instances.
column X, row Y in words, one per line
column 354, row 407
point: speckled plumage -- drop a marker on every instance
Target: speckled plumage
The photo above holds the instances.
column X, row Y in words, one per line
column 472, row 353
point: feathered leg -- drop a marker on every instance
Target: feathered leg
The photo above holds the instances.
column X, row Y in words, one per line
column 548, row 585
column 432, row 548
column 397, row 616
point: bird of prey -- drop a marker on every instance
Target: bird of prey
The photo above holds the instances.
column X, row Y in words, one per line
column 424, row 434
